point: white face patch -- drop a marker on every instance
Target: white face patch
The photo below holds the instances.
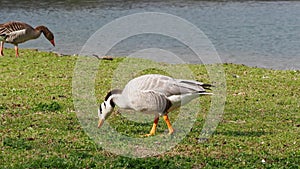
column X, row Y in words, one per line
column 99, row 112
column 105, row 110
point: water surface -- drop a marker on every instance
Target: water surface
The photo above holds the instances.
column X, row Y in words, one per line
column 255, row 33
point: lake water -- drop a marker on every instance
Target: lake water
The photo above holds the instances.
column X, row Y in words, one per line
column 256, row 33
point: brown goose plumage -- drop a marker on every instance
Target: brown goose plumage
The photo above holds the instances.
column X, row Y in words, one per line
column 18, row 32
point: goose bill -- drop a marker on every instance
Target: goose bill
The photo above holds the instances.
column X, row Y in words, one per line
column 52, row 42
column 100, row 123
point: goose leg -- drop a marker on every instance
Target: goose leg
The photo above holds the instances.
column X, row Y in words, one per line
column 1, row 48
column 166, row 118
column 17, row 50
column 153, row 130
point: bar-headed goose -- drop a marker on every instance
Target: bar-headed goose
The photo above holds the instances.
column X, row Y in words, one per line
column 152, row 93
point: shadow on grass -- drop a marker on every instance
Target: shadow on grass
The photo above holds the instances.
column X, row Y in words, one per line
column 244, row 133
column 53, row 106
column 17, row 143
column 77, row 161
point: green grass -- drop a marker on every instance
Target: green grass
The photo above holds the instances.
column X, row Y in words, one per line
column 39, row 127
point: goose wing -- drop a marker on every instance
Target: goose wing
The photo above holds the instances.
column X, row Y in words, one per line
column 17, row 32
column 148, row 101
column 165, row 85
column 191, row 86
column 10, row 27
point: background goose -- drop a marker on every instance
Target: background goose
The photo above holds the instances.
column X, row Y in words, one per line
column 18, row 32
column 152, row 93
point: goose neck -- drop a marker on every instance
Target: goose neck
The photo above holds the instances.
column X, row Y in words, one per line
column 119, row 100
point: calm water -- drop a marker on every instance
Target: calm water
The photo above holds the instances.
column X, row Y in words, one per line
column 263, row 34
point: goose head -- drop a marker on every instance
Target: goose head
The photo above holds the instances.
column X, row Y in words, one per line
column 47, row 33
column 104, row 111
column 107, row 107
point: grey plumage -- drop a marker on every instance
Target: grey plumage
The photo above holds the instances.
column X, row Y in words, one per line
column 152, row 93
column 18, row 32
column 149, row 93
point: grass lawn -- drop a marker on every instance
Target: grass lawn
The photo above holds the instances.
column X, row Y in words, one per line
column 39, row 127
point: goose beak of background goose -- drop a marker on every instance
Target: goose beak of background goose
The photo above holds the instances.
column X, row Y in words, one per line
column 52, row 42
column 101, row 121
